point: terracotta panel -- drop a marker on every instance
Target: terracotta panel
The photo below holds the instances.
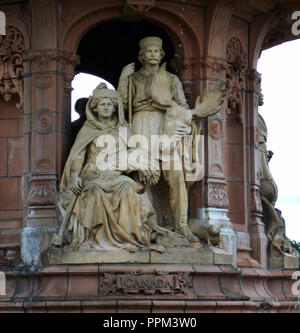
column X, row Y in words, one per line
column 3, row 157
column 260, row 288
column 51, row 287
column 16, row 307
column 10, row 214
column 208, row 287
column 64, row 307
column 81, row 287
column 230, row 286
column 275, row 286
column 236, row 194
column 99, row 306
column 235, row 162
column 10, row 237
column 9, row 193
column 136, row 306
column 20, row 127
column 239, row 221
column 15, row 157
column 35, row 307
column 10, row 224
column 247, row 286
column 8, row 109
column 8, row 128
column 287, row 285
column 234, row 134
column 10, row 289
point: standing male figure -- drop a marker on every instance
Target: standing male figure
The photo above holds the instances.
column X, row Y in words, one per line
column 148, row 93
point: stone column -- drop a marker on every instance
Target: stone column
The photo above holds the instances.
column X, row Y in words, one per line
column 215, row 197
column 256, row 226
column 47, row 76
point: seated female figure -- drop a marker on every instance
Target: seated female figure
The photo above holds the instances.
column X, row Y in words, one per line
column 110, row 212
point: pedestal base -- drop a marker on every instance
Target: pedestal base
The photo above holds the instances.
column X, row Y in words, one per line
column 203, row 256
column 149, row 288
column 286, row 261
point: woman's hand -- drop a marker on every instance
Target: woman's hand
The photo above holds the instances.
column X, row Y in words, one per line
column 76, row 183
column 149, row 177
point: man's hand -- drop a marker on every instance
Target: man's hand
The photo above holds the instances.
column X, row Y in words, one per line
column 128, row 70
column 211, row 103
column 149, row 171
column 181, row 130
column 76, row 183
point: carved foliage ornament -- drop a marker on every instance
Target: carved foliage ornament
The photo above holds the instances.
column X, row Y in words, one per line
column 11, row 65
column 213, row 67
column 140, row 6
column 217, row 196
column 42, row 193
column 236, row 66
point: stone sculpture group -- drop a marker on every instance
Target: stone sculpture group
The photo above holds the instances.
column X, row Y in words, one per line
column 110, row 200
column 112, row 209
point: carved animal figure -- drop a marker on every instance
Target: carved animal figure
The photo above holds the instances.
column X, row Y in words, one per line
column 209, row 233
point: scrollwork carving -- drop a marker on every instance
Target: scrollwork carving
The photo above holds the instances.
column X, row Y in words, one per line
column 42, row 194
column 11, row 65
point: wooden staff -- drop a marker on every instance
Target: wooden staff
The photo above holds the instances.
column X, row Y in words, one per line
column 130, row 103
column 57, row 239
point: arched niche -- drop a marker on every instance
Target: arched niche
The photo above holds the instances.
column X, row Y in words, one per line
column 98, row 38
column 177, row 27
column 114, row 50
column 182, row 43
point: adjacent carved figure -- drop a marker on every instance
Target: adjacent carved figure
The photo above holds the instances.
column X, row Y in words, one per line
column 102, row 209
column 80, row 106
column 275, row 224
column 147, row 94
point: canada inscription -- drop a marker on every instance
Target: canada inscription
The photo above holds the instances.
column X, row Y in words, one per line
column 147, row 284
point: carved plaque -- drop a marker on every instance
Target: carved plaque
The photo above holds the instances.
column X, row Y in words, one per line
column 147, row 284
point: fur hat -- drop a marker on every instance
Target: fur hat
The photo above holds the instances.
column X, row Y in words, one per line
column 150, row 41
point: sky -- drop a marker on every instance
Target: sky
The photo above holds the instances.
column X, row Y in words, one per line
column 280, row 69
column 83, row 86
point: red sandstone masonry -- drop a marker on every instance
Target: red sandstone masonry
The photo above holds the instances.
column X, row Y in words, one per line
column 199, row 66
column 3, row 157
column 15, row 157
column 10, row 193
column 57, row 288
column 8, row 128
